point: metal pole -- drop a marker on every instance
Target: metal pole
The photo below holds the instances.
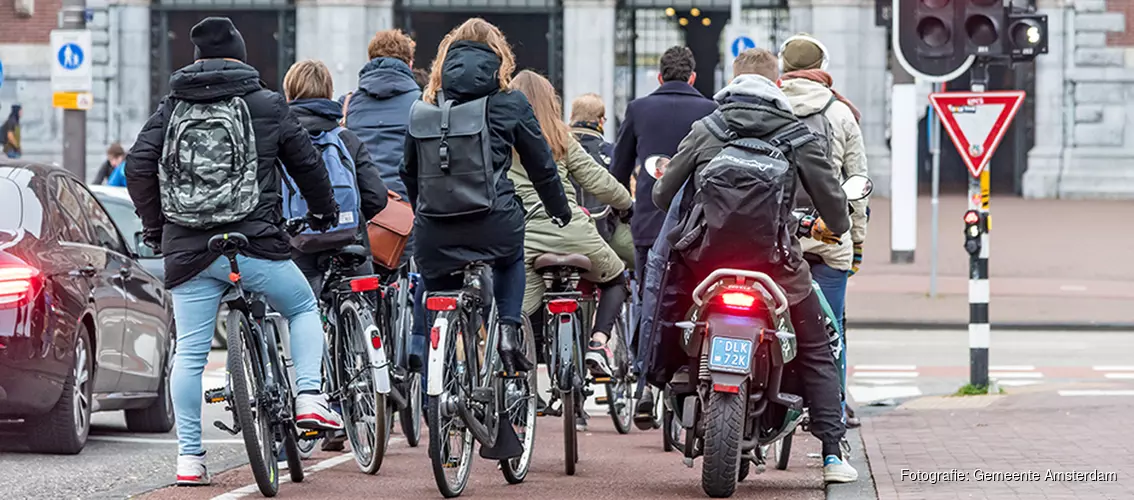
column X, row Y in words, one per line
column 980, row 331
column 934, row 202
column 73, row 15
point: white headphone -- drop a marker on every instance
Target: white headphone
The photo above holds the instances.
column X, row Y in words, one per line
column 822, row 48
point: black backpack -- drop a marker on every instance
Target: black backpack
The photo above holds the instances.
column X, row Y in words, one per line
column 454, row 158
column 741, row 210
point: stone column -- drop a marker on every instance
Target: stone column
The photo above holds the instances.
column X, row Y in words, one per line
column 588, row 53
column 858, row 65
column 337, row 32
column 129, row 92
column 1053, row 103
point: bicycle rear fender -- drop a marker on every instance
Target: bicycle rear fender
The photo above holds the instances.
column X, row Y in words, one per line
column 438, row 342
column 564, row 349
column 379, row 365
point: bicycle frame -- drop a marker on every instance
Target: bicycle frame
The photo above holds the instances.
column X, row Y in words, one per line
column 337, row 288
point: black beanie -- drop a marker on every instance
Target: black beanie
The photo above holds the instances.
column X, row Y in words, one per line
column 216, row 38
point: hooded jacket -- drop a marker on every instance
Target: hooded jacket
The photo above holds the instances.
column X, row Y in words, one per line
column 753, row 106
column 279, row 137
column 848, row 157
column 444, row 246
column 378, row 112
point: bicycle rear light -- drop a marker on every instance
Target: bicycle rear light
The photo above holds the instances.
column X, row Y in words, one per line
column 367, row 284
column 441, row 303
column 562, row 306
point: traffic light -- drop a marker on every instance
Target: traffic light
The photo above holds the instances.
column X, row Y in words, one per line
column 984, row 22
column 972, row 232
column 929, row 38
column 1027, row 35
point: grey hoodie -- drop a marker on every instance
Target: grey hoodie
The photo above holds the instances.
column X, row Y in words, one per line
column 753, row 106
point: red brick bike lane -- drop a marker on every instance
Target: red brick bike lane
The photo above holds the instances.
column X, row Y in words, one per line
column 611, row 466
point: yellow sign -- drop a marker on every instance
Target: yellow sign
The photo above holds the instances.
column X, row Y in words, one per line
column 984, row 187
column 72, row 100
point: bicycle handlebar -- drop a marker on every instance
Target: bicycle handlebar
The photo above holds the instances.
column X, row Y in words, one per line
column 539, row 204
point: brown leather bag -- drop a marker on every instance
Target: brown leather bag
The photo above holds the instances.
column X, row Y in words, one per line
column 389, row 231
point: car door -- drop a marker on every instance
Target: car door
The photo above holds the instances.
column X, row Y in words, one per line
column 101, row 272
column 146, row 325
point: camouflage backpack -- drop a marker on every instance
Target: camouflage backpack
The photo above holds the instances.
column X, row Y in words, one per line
column 209, row 164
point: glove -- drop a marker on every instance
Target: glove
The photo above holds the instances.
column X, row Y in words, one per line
column 821, row 232
column 323, row 222
column 857, row 260
column 152, row 239
column 561, row 221
column 624, row 216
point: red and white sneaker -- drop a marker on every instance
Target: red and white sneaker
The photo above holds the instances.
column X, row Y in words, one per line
column 313, row 412
column 191, row 470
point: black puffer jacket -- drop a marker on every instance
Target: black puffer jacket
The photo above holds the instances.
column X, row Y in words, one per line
column 278, row 136
column 444, row 245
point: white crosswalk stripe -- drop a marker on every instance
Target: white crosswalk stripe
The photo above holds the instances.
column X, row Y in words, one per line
column 870, row 383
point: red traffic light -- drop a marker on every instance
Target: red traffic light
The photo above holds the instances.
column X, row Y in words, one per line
column 972, row 217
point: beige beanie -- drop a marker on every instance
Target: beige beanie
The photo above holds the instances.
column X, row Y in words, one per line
column 802, row 52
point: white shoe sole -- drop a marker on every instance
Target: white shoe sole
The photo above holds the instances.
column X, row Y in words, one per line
column 839, row 477
column 597, row 365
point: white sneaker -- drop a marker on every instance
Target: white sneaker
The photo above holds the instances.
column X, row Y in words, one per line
column 191, row 470
column 313, row 412
column 835, row 470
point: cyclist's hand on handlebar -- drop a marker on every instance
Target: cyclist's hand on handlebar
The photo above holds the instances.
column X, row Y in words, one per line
column 561, row 222
column 323, row 222
column 152, row 239
column 625, row 215
column 821, row 232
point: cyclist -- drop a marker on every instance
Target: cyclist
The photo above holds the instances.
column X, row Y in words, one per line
column 753, row 106
column 477, row 62
column 588, row 116
column 187, row 206
column 308, row 86
column 580, row 236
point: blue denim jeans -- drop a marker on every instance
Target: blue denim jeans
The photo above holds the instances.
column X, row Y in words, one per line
column 833, row 282
column 195, row 304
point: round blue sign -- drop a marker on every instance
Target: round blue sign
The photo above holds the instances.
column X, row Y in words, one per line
column 741, row 44
column 70, row 56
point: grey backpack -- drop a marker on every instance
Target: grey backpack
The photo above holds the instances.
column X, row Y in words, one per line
column 454, row 158
column 208, row 167
column 824, row 133
column 741, row 211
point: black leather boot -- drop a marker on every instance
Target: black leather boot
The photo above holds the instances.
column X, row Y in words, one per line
column 511, row 354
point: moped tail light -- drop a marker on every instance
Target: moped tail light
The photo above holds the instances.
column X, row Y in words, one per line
column 562, row 306
column 738, row 300
column 18, row 285
column 441, row 303
column 367, row 284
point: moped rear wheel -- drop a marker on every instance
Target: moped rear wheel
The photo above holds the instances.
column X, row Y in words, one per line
column 724, row 429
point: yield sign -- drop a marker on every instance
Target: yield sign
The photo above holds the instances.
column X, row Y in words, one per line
column 977, row 121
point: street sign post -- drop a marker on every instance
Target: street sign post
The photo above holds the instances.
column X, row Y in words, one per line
column 976, row 122
column 71, row 82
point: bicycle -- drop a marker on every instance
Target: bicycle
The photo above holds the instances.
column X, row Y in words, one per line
column 469, row 399
column 397, row 320
column 570, row 303
column 258, row 391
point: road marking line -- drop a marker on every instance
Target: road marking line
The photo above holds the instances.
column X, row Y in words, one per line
column 1015, row 375
column 1011, row 368
column 286, row 478
column 1121, row 376
column 1073, row 288
column 127, row 439
column 882, row 381
column 1098, row 392
column 858, row 374
column 1114, row 368
column 1017, row 383
column 862, row 394
column 886, row 367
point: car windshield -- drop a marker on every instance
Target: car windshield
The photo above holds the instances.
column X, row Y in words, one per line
column 124, row 217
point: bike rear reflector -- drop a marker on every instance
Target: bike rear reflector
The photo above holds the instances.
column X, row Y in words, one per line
column 441, row 303
column 738, row 300
column 18, row 285
column 367, row 284
column 434, row 337
column 562, row 306
column 731, row 389
column 376, row 341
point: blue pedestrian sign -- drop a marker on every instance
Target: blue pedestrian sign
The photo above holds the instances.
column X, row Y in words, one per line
column 1, row 74
column 741, row 44
column 70, row 56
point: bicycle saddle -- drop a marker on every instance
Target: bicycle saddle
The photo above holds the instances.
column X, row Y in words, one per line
column 550, row 260
column 223, row 243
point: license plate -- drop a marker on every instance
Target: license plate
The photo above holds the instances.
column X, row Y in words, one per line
column 730, row 355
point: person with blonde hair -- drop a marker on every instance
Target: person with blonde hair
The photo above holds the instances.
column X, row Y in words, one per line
column 475, row 63
column 580, row 236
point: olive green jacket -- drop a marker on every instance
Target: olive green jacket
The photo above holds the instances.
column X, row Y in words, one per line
column 541, row 234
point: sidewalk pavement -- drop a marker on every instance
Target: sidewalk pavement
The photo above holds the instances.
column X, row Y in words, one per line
column 1053, row 262
column 945, row 447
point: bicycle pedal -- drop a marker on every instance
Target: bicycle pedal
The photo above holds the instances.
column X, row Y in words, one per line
column 602, row 380
column 214, row 396
column 513, row 375
column 550, row 412
column 601, row 400
column 310, row 434
column 224, row 427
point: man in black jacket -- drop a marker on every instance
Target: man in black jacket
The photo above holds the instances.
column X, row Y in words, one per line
column 198, row 277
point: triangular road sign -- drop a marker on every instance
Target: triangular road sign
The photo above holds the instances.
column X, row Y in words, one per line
column 977, row 121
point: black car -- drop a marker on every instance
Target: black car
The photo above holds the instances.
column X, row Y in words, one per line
column 83, row 326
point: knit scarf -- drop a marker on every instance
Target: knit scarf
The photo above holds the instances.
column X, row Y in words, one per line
column 593, row 125
column 824, row 78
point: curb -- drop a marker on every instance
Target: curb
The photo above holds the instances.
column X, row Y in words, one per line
column 864, row 488
column 951, row 325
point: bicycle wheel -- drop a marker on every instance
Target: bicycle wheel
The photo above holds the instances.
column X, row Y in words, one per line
column 446, row 429
column 245, row 379
column 520, row 401
column 409, row 417
column 620, row 389
column 363, row 408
